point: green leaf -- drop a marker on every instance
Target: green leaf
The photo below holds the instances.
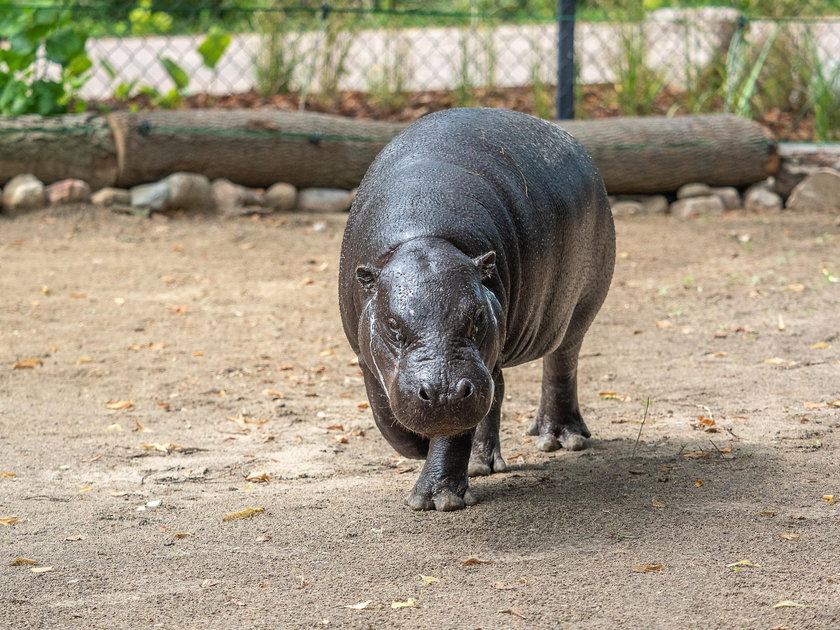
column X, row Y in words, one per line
column 108, row 68
column 213, row 47
column 48, row 97
column 78, row 65
column 64, row 45
column 176, row 73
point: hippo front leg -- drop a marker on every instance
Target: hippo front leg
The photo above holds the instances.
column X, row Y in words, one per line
column 486, row 455
column 443, row 484
column 558, row 421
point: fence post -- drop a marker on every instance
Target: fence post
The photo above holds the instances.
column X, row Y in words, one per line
column 565, row 99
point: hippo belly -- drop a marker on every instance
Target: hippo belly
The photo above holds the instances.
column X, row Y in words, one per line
column 479, row 239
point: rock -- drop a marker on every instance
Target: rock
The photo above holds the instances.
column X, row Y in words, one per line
column 147, row 198
column 24, row 192
column 179, row 191
column 324, row 200
column 759, row 198
column 820, row 192
column 730, row 197
column 693, row 190
column 189, row 191
column 626, row 208
column 111, row 197
column 694, row 207
column 281, row 197
column 654, row 204
column 791, row 173
column 232, row 199
column 68, row 191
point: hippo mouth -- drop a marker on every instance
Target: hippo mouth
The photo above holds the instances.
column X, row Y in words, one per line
column 435, row 409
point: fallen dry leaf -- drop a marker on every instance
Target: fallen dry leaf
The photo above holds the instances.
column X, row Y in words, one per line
column 75, row 538
column 118, row 494
column 697, row 454
column 363, row 405
column 788, row 604
column 335, row 427
column 795, row 287
column 829, row 498
column 766, row 513
column 8, row 474
column 775, row 361
column 341, row 439
column 512, row 611
column 164, row 447
column 472, row 560
column 428, row 579
column 360, row 605
column 274, row 393
column 178, row 309
column 85, row 489
column 27, row 364
column 788, row 536
column 246, row 513
column 658, row 504
column 647, row 568
column 242, row 420
column 502, row 586
column 90, row 460
column 742, row 563
column 208, row 583
column 406, row 604
column 182, row 534
column 664, row 324
column 22, row 562
column 113, row 427
column 140, row 428
column 9, row 521
column 119, row 404
column 41, row 569
column 258, row 477
column 822, row 345
column 698, row 483
column 327, row 352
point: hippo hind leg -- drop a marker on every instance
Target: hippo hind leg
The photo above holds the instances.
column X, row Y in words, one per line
column 486, row 455
column 558, row 421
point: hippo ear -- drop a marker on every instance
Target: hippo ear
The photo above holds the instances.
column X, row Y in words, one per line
column 486, row 264
column 367, row 276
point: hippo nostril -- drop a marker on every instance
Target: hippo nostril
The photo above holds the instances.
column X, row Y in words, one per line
column 465, row 389
column 426, row 393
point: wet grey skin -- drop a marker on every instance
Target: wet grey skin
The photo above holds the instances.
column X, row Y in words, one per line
column 479, row 239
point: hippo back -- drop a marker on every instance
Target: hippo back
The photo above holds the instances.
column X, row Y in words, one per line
column 490, row 179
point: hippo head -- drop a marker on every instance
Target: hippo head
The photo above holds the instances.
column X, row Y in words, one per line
column 431, row 332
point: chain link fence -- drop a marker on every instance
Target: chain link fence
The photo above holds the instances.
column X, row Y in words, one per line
column 773, row 61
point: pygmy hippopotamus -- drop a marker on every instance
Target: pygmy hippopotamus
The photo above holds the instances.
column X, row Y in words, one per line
column 479, row 239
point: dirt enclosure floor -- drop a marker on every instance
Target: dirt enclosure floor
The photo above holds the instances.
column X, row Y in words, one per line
column 159, row 375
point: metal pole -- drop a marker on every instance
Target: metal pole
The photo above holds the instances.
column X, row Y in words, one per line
column 565, row 100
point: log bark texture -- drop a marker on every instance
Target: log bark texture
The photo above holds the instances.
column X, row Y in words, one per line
column 657, row 154
column 249, row 147
column 259, row 148
column 58, row 147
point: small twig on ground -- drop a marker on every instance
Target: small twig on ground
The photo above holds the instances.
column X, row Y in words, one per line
column 720, row 452
column 639, row 437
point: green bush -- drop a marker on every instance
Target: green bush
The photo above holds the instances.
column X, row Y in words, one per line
column 36, row 35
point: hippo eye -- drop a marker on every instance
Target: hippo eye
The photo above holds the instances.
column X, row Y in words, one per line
column 475, row 324
column 395, row 330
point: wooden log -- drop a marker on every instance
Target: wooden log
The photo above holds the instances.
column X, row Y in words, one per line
column 657, row 154
column 58, row 147
column 249, row 147
column 258, row 148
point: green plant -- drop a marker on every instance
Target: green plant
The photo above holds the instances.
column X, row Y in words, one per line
column 387, row 81
column 636, row 83
column 29, row 85
column 742, row 74
column 279, row 55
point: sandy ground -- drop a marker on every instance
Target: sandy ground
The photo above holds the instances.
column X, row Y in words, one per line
column 225, row 338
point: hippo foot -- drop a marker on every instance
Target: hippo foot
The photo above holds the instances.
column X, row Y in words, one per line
column 482, row 464
column 552, row 436
column 443, row 500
